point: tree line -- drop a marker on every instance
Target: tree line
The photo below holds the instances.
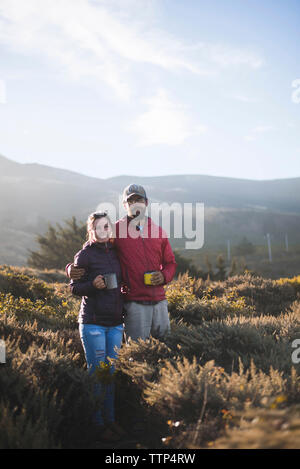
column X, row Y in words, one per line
column 58, row 245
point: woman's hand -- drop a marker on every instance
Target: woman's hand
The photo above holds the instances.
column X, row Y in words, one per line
column 99, row 283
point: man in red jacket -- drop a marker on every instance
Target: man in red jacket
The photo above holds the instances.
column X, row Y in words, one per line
column 142, row 247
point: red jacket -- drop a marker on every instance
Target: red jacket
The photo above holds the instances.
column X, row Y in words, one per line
column 149, row 250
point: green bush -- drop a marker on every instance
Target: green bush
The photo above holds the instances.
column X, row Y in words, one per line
column 24, row 286
column 52, row 390
column 226, row 341
column 262, row 429
column 195, row 310
column 19, row 431
column 228, row 354
column 266, row 296
column 47, row 398
column 25, row 310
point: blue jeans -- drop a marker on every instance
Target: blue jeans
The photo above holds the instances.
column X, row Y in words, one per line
column 99, row 343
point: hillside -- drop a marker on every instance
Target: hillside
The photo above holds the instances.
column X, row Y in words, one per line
column 34, row 195
column 225, row 377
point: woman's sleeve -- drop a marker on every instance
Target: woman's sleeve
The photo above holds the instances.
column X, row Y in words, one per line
column 66, row 269
column 82, row 287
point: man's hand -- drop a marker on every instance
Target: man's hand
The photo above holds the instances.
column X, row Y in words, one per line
column 157, row 278
column 75, row 273
column 99, row 283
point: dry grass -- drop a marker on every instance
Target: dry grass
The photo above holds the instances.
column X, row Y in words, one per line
column 223, row 377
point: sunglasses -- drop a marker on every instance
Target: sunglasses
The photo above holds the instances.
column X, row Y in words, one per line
column 134, row 200
column 98, row 215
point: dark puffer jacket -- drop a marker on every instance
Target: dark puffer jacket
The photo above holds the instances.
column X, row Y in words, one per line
column 102, row 307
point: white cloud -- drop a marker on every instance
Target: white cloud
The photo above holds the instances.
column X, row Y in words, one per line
column 260, row 129
column 111, row 44
column 249, row 138
column 263, row 128
column 102, row 40
column 67, row 33
column 88, row 40
column 296, row 93
column 243, row 98
column 227, row 55
column 165, row 122
column 2, row 92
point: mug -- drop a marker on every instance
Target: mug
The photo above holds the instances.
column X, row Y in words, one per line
column 148, row 277
column 110, row 280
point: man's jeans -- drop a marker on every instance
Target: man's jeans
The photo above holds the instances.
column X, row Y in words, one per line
column 142, row 320
column 99, row 343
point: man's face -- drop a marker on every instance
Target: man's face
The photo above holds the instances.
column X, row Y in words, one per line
column 136, row 206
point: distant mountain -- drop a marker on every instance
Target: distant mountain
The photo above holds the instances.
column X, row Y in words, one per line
column 33, row 195
column 280, row 195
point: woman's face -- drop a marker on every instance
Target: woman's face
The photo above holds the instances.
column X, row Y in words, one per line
column 103, row 230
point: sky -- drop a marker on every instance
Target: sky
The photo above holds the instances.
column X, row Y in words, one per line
column 152, row 87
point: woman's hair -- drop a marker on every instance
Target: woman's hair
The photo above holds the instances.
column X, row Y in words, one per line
column 90, row 234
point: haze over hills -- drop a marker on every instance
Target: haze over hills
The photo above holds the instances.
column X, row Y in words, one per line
column 33, row 195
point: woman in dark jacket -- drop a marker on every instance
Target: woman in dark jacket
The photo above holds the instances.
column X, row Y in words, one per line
column 101, row 311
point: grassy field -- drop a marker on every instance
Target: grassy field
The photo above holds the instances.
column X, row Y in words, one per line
column 223, row 378
column 284, row 263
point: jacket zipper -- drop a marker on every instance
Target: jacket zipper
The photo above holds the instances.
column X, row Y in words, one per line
column 147, row 268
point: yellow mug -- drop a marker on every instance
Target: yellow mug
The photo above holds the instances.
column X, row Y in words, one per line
column 148, row 277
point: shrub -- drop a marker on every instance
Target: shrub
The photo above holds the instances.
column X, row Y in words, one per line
column 228, row 353
column 51, row 391
column 294, row 282
column 18, row 431
column 180, row 292
column 198, row 310
column 263, row 429
column 24, row 286
column 266, row 296
column 26, row 310
column 267, row 344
